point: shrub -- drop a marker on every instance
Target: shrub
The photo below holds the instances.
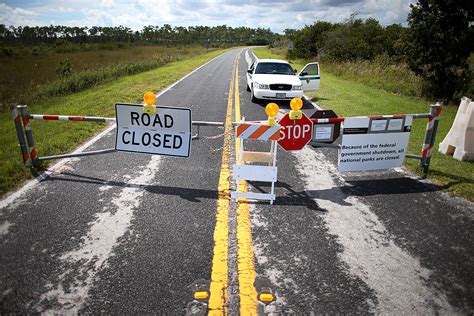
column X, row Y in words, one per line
column 64, row 69
column 73, row 82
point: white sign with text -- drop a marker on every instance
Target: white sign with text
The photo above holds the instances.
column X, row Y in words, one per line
column 381, row 149
column 167, row 132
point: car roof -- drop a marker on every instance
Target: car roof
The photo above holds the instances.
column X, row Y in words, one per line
column 272, row 61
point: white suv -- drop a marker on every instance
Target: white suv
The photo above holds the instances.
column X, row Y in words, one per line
column 274, row 79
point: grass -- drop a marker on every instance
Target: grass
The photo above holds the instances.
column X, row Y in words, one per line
column 380, row 74
column 31, row 77
column 98, row 101
column 349, row 98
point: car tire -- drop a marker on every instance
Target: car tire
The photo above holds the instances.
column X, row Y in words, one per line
column 254, row 99
column 248, row 88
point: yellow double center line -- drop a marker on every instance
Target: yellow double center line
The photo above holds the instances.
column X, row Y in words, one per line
column 245, row 266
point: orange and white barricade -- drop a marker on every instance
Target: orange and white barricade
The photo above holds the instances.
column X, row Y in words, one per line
column 256, row 165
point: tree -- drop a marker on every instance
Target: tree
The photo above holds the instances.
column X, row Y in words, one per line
column 310, row 40
column 356, row 39
column 439, row 42
column 394, row 41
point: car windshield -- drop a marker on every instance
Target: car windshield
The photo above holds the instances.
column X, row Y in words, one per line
column 274, row 68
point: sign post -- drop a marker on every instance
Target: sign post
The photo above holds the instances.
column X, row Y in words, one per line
column 295, row 133
column 166, row 132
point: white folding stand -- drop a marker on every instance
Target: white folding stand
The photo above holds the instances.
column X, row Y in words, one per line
column 246, row 169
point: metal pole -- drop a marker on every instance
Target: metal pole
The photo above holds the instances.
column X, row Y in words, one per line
column 275, row 148
column 430, row 135
column 413, row 156
column 87, row 153
column 21, row 136
column 29, row 134
column 437, row 111
column 46, row 117
column 316, row 144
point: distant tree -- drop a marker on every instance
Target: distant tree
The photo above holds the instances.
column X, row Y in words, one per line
column 60, row 35
column 356, row 39
column 4, row 31
column 310, row 40
column 439, row 41
column 395, row 36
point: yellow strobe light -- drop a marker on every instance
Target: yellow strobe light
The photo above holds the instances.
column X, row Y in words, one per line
column 272, row 110
column 150, row 99
column 296, row 104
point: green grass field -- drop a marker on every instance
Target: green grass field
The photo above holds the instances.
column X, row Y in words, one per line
column 349, row 98
column 98, row 101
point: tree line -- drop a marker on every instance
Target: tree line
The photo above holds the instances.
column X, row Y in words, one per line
column 436, row 45
column 215, row 35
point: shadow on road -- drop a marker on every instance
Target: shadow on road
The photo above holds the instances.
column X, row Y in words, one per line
column 189, row 194
column 285, row 105
column 289, row 198
column 339, row 195
column 389, row 186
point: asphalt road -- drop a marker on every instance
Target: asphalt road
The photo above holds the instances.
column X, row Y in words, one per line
column 128, row 233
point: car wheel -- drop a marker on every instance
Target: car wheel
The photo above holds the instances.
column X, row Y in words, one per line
column 254, row 99
column 248, row 88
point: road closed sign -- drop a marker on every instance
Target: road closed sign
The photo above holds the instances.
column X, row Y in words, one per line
column 166, row 132
column 374, row 143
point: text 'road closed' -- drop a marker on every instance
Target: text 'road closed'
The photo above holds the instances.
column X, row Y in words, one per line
column 167, row 132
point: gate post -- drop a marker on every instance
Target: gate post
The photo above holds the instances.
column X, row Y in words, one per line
column 430, row 136
column 21, row 137
column 29, row 134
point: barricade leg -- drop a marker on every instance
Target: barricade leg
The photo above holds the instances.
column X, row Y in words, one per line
column 430, row 136
column 21, row 136
column 29, row 134
column 274, row 152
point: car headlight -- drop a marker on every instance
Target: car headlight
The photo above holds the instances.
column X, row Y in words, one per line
column 297, row 87
column 262, row 86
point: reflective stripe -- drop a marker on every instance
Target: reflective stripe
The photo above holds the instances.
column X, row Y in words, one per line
column 258, row 131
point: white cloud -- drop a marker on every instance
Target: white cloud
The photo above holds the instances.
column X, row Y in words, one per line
column 276, row 15
column 107, row 4
column 16, row 16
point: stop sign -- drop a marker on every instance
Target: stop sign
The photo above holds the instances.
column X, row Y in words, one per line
column 295, row 134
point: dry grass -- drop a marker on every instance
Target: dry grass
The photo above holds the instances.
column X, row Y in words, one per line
column 25, row 76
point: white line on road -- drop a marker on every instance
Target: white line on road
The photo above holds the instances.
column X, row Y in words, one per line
column 394, row 275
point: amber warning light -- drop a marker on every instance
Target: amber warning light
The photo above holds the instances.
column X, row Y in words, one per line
column 150, row 99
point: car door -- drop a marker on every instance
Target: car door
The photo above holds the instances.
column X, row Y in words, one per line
column 310, row 77
column 250, row 73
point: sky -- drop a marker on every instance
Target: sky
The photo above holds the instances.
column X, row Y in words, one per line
column 274, row 14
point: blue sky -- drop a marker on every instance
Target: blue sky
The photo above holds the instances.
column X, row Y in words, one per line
column 274, row 14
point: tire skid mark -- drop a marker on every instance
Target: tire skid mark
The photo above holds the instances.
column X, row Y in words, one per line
column 80, row 266
column 397, row 278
